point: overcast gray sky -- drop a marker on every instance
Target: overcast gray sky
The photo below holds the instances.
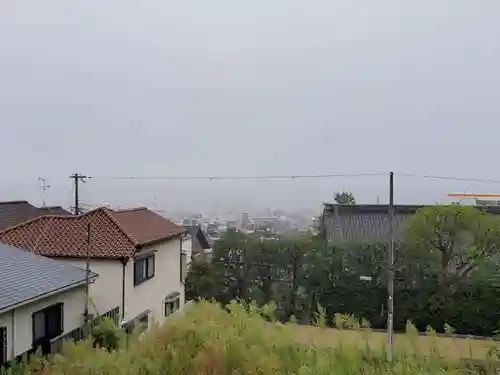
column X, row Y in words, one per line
column 126, row 87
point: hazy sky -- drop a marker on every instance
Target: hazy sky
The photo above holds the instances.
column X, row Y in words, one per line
column 255, row 87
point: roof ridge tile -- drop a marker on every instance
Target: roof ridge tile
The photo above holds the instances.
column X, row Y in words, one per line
column 15, row 202
column 130, row 209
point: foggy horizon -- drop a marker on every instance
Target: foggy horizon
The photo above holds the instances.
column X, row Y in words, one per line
column 121, row 88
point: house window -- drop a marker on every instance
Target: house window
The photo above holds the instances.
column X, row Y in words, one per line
column 171, row 304
column 144, row 269
column 48, row 323
column 3, row 345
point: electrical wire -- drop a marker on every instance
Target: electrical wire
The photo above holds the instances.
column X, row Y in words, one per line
column 451, row 178
column 264, row 177
column 292, row 177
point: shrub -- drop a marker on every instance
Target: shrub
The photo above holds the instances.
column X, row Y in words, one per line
column 106, row 335
column 210, row 340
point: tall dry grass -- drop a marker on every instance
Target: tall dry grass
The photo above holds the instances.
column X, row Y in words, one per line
column 208, row 340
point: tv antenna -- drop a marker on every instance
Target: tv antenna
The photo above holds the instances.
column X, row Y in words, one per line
column 44, row 186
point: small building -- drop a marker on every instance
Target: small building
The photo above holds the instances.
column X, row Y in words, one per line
column 136, row 252
column 363, row 222
column 369, row 222
column 194, row 243
column 40, row 299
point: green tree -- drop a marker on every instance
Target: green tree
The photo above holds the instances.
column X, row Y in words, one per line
column 458, row 238
column 300, row 273
column 344, row 197
column 200, row 281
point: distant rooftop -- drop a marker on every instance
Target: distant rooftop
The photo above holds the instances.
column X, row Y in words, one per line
column 196, row 231
column 369, row 222
column 16, row 212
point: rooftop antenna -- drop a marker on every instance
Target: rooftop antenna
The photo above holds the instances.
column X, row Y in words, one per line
column 44, row 186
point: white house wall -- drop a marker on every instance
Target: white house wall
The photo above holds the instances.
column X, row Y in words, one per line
column 106, row 291
column 150, row 294
column 19, row 322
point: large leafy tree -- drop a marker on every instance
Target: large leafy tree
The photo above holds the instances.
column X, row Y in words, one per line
column 301, row 273
column 344, row 197
column 459, row 239
column 200, row 282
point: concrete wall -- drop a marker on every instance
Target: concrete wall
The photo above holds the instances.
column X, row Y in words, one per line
column 106, row 291
column 19, row 322
column 150, row 294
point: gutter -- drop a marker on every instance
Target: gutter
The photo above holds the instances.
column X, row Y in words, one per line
column 184, row 235
column 45, row 295
column 124, row 263
column 13, row 334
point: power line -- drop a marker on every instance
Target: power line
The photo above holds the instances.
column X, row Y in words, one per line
column 452, row 178
column 249, row 177
column 288, row 177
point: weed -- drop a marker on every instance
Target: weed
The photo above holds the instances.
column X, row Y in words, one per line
column 212, row 340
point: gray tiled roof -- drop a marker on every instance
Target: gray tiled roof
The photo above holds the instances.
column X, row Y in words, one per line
column 358, row 222
column 15, row 212
column 25, row 276
column 195, row 230
column 363, row 222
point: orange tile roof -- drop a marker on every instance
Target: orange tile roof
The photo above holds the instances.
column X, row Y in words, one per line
column 114, row 234
column 145, row 226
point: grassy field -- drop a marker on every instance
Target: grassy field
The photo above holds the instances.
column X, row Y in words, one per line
column 452, row 348
column 207, row 340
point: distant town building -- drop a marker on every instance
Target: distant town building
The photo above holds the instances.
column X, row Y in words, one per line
column 487, row 202
column 245, row 220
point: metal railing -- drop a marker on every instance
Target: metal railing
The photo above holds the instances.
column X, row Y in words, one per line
column 81, row 333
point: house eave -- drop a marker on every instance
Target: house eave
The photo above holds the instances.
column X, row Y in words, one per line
column 162, row 239
column 45, row 295
column 117, row 258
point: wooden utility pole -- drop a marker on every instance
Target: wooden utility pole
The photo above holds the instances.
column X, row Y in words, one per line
column 87, row 278
column 245, row 274
column 76, row 179
column 390, row 284
column 295, row 260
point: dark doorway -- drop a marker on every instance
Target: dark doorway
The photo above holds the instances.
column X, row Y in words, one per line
column 3, row 345
column 47, row 324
